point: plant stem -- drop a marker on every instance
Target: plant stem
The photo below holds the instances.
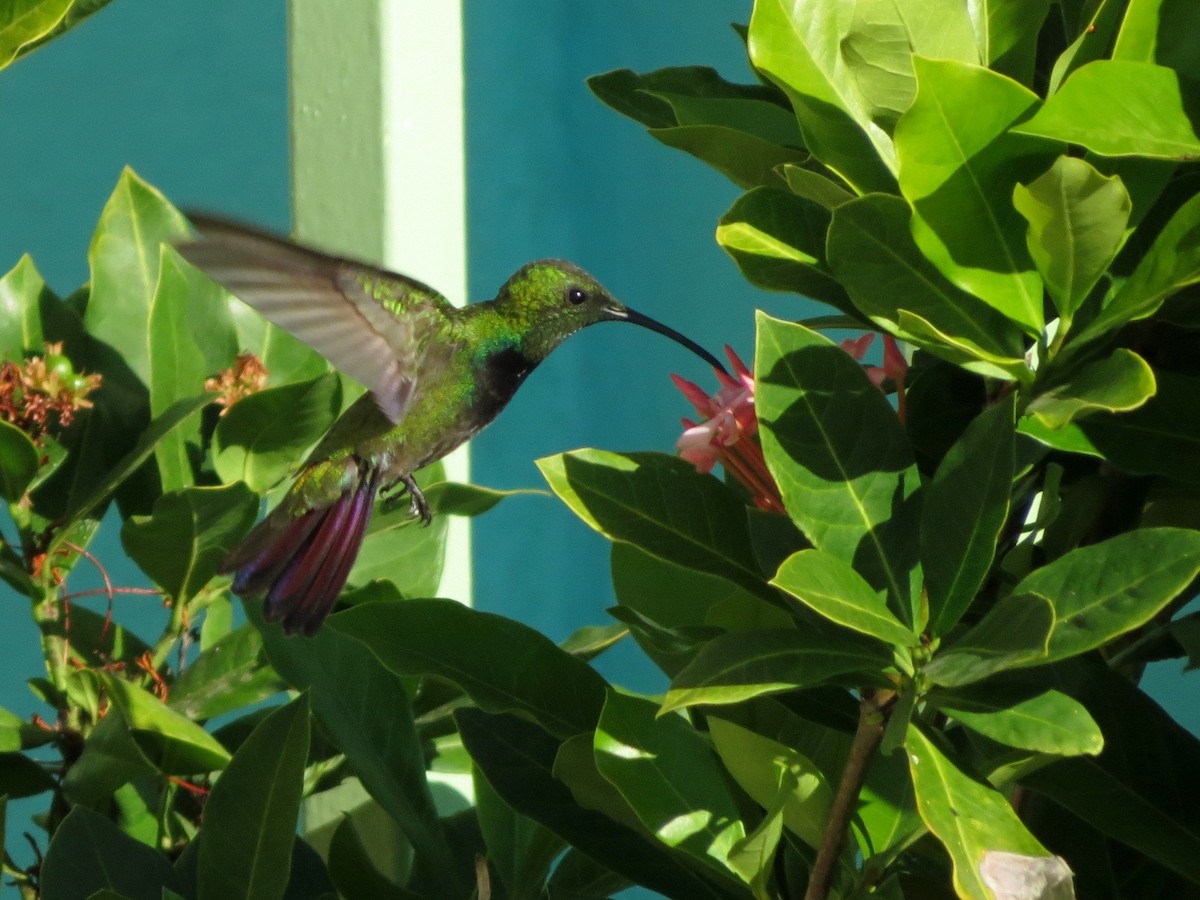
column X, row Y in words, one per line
column 872, row 720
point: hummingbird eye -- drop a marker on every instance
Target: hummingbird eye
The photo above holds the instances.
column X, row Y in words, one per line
column 576, row 296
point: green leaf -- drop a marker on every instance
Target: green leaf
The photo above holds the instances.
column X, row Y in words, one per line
column 800, row 49
column 839, row 455
column 1049, row 722
column 110, row 759
column 520, row 850
column 757, row 764
column 503, row 665
column 347, row 687
column 159, row 429
column 21, row 776
column 250, row 816
column 1007, row 34
column 1120, row 383
column 958, row 162
column 454, row 498
column 735, row 667
column 396, row 550
column 172, row 743
column 1014, row 633
column 968, row 817
column 19, row 461
column 190, row 337
column 748, row 161
column 229, row 675
column 778, row 242
column 1163, row 32
column 1157, row 117
column 353, row 870
column 1077, row 220
column 124, row 259
column 870, row 243
column 263, row 437
column 190, row 531
column 517, row 758
column 23, row 22
column 965, row 507
column 1171, row 264
column 663, row 506
column 835, row 591
column 90, row 854
column 21, row 293
column 815, row 187
column 640, row 753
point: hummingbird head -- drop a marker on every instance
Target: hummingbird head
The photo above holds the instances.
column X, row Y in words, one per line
column 550, row 299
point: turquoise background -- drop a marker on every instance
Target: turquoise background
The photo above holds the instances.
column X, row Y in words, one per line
column 194, row 97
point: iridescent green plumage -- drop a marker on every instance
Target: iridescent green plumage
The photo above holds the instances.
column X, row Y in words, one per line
column 436, row 375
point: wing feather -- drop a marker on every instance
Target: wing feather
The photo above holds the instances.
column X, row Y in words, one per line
column 369, row 323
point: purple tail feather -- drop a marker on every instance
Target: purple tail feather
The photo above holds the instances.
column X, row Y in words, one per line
column 300, row 563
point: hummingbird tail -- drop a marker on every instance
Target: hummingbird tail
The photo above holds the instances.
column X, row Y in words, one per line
column 300, row 563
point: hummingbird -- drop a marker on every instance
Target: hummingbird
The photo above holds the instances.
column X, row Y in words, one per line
column 435, row 375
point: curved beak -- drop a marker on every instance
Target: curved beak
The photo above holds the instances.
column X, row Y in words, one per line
column 629, row 315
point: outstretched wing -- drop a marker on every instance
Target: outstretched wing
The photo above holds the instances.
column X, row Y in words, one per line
column 371, row 324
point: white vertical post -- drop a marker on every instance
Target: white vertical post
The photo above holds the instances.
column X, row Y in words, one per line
column 377, row 155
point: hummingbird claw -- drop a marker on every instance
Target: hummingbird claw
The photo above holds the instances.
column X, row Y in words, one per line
column 417, row 502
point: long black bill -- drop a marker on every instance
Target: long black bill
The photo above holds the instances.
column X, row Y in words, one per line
column 646, row 322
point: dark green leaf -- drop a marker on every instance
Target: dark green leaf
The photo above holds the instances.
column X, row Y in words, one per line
column 1122, row 382
column 662, row 505
column 352, row 870
column 735, row 667
column 503, row 665
column 183, row 541
column 231, row 674
column 520, row 851
column 453, row 498
column 839, row 455
column 748, row 161
column 109, row 760
column 263, row 437
column 816, row 187
column 965, row 507
column 89, row 854
column 250, row 816
column 870, row 243
column 18, row 462
column 517, row 758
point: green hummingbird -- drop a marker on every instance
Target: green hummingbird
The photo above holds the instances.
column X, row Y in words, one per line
column 436, row 375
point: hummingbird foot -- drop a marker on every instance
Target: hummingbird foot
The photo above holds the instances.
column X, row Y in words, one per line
column 417, row 504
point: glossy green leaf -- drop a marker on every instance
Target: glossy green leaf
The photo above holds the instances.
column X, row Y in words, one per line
column 639, row 753
column 1157, row 119
column 816, row 187
column 190, row 531
column 835, row 591
column 1015, row 633
column 839, row 455
column 90, row 854
column 24, row 22
column 517, row 758
column 1090, row 25
column 748, row 161
column 757, row 763
column 250, row 816
column 454, row 498
column 398, row 550
column 18, row 462
column 1119, row 383
column 778, row 242
column 1171, row 263
column 520, row 851
column 503, row 665
column 738, row 666
column 1049, row 722
column 870, row 243
column 21, row 292
column 111, row 758
column 347, row 687
column 800, row 49
column 1077, row 220
column 161, row 427
column 968, row 817
column 662, row 505
column 264, row 437
column 124, row 259
column 190, row 336
column 1163, row 32
column 174, row 744
column 1007, row 34
column 959, row 162
column 231, row 674
column 965, row 507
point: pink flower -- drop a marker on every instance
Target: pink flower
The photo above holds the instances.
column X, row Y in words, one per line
column 894, row 368
column 727, row 432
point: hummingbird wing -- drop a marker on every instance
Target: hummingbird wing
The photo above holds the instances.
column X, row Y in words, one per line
column 369, row 323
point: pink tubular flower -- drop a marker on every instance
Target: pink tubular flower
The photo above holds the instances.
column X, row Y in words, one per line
column 894, row 368
column 726, row 433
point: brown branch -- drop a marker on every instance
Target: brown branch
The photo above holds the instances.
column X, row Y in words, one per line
column 872, row 720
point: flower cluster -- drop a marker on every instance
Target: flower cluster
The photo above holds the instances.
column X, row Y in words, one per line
column 246, row 376
column 43, row 390
column 728, row 433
